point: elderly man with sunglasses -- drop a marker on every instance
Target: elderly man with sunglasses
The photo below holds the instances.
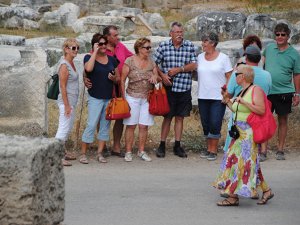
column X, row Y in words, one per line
column 283, row 62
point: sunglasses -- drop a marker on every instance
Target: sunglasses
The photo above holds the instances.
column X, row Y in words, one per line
column 102, row 43
column 148, row 47
column 236, row 74
column 281, row 34
column 240, row 63
column 74, row 48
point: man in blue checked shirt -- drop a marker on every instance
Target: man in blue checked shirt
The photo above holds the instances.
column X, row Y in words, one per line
column 176, row 59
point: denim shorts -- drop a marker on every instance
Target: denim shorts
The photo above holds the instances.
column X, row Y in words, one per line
column 211, row 115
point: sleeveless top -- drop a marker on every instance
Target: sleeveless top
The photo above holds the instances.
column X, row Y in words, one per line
column 72, row 84
column 138, row 79
column 243, row 111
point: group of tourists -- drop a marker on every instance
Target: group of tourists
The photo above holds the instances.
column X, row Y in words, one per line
column 241, row 88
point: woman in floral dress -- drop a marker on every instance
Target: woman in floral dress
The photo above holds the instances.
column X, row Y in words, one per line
column 240, row 173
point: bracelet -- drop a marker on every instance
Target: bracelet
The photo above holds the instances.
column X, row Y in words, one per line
column 182, row 69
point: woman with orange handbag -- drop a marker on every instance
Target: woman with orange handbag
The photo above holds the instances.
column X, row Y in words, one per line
column 102, row 71
column 141, row 72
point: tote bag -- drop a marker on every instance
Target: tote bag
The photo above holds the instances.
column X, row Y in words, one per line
column 158, row 101
column 118, row 108
column 263, row 126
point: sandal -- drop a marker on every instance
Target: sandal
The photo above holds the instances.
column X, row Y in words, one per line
column 101, row 159
column 66, row 163
column 226, row 202
column 70, row 156
column 265, row 198
column 255, row 197
column 83, row 159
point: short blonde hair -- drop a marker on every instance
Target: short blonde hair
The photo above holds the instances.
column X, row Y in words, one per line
column 69, row 42
column 247, row 71
column 139, row 43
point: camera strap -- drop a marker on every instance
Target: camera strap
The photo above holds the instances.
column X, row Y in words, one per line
column 241, row 94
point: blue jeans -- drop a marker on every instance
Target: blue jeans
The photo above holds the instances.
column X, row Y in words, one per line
column 96, row 114
column 211, row 115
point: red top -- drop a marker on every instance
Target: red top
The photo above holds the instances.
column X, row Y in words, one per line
column 122, row 53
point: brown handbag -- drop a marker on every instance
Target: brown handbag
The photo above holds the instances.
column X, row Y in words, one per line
column 118, row 108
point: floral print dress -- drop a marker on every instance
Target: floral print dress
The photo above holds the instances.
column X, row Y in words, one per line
column 240, row 171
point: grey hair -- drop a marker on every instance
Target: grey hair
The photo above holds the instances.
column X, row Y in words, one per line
column 212, row 37
column 177, row 24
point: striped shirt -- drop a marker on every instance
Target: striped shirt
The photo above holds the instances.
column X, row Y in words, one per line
column 168, row 57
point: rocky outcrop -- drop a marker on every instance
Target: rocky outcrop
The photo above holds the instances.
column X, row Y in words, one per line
column 31, row 180
column 226, row 24
column 65, row 16
column 261, row 25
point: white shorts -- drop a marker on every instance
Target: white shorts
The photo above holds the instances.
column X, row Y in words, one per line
column 139, row 112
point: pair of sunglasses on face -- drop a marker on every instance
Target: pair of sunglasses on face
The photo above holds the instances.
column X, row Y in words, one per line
column 74, row 48
column 281, row 34
column 148, row 48
column 102, row 43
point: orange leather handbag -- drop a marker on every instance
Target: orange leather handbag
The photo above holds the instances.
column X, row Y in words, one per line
column 158, row 101
column 118, row 108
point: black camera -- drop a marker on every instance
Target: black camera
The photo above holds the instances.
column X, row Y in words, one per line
column 234, row 132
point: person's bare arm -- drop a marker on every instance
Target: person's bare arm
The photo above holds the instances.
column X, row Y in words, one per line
column 63, row 80
column 124, row 75
column 296, row 98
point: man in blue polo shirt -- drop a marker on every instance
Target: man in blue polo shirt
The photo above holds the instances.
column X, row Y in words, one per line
column 176, row 59
column 283, row 62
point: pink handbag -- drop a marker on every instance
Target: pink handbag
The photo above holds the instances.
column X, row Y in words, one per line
column 263, row 126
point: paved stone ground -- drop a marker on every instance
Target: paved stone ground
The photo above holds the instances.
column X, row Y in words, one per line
column 174, row 191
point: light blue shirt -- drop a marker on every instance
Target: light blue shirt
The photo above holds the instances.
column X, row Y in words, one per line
column 262, row 78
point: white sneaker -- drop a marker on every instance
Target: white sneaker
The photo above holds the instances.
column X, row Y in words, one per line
column 143, row 155
column 128, row 156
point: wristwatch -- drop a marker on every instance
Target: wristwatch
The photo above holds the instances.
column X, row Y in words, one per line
column 297, row 94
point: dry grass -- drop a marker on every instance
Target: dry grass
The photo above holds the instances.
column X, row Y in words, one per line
column 192, row 139
column 37, row 33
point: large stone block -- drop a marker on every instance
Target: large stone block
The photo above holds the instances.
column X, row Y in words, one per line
column 22, row 91
column 31, row 180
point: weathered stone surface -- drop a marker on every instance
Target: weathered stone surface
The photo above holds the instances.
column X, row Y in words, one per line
column 22, row 90
column 69, row 13
column 16, row 11
column 94, row 24
column 31, row 180
column 124, row 12
column 30, row 25
column 155, row 20
column 226, row 24
column 11, row 40
column 51, row 21
column 260, row 24
column 190, row 29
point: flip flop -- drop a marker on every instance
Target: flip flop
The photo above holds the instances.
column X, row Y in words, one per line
column 66, row 163
column 264, row 199
column 226, row 202
column 70, row 156
column 83, row 159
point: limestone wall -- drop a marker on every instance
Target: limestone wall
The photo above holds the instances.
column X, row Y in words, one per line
column 31, row 180
column 24, row 73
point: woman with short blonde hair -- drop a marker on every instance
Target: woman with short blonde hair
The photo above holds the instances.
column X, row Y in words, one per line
column 68, row 92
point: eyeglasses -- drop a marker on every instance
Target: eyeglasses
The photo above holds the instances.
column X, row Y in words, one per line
column 102, row 43
column 74, row 48
column 240, row 63
column 281, row 34
column 148, row 47
column 236, row 74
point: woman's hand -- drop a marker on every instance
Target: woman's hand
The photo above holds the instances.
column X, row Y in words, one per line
column 166, row 80
column 95, row 47
column 153, row 79
column 68, row 110
column 112, row 77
